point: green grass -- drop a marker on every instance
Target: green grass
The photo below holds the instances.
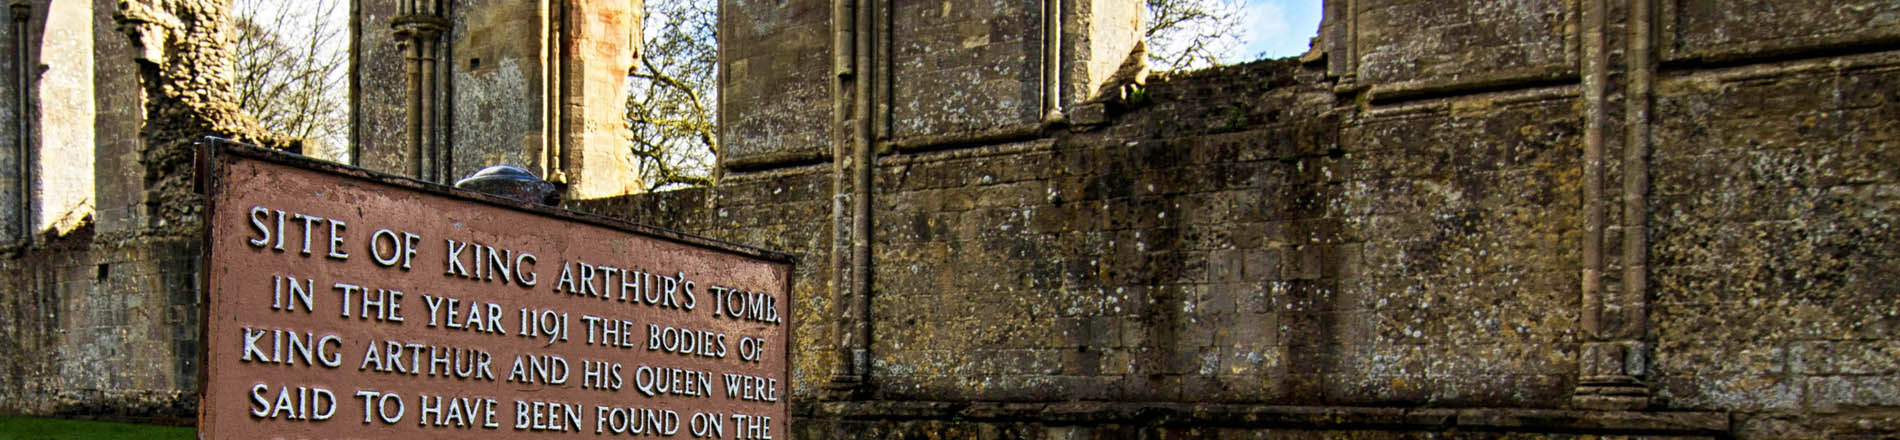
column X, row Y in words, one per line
column 23, row 428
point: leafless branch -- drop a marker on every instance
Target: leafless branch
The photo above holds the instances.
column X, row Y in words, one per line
column 672, row 99
column 289, row 66
column 1192, row 34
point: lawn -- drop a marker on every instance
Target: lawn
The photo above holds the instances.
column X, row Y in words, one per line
column 24, row 428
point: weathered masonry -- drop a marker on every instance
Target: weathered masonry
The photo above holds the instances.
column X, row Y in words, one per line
column 1669, row 218
column 100, row 220
column 1450, row 219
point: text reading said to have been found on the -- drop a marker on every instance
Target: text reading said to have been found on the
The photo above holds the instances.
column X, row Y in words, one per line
column 553, row 328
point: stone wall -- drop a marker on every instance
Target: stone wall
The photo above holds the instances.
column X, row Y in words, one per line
column 1234, row 242
column 99, row 296
column 1481, row 219
column 1505, row 219
column 775, row 94
column 13, row 185
column 118, row 102
column 103, row 330
column 939, row 70
column 99, row 310
column 378, row 90
column 1775, row 244
column 1400, row 41
column 59, row 64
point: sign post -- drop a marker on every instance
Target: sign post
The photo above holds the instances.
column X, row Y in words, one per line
column 345, row 304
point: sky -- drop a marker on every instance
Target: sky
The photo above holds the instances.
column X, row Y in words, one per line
column 1278, row 28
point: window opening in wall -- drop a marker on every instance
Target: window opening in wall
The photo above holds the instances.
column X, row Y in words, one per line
column 291, row 62
column 1195, row 34
column 62, row 147
column 672, row 95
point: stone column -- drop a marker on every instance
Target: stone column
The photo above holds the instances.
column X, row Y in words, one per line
column 419, row 26
column 598, row 45
column 120, row 184
column 18, row 171
column 1613, row 361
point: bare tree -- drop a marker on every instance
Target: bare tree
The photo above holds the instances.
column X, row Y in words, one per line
column 1192, row 34
column 290, row 72
column 673, row 94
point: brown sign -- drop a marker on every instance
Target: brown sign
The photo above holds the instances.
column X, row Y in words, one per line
column 349, row 305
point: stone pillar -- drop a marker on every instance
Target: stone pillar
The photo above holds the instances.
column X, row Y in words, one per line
column 419, row 25
column 535, row 84
column 601, row 39
column 1614, row 358
column 120, row 185
column 379, row 99
column 14, row 195
column 1102, row 41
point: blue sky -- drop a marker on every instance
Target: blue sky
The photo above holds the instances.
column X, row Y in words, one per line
column 1278, row 28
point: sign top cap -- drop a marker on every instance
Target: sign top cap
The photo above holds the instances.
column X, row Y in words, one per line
column 512, row 182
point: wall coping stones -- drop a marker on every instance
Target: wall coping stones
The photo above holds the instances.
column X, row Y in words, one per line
column 1284, row 416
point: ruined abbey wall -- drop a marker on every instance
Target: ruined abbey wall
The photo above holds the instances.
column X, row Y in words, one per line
column 1464, row 219
column 1668, row 218
column 100, row 219
column 100, row 315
